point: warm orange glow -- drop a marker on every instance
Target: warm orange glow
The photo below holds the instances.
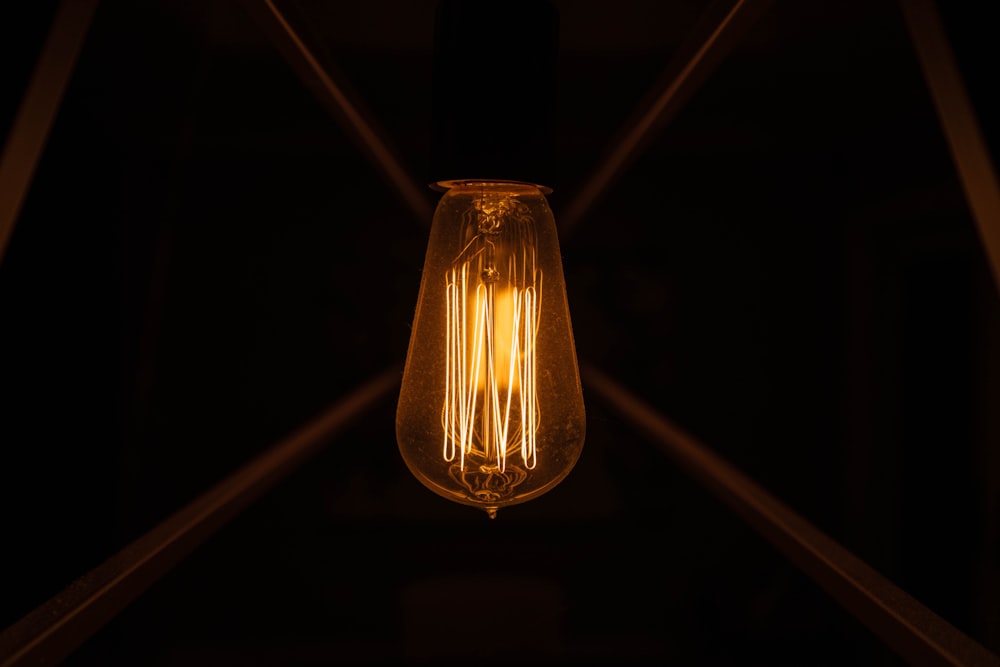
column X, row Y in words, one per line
column 491, row 411
column 490, row 403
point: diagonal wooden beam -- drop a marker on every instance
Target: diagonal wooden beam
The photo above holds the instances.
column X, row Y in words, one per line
column 912, row 630
column 39, row 108
column 332, row 93
column 58, row 627
column 959, row 122
column 719, row 30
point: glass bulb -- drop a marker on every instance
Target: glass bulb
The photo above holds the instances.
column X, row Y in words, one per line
column 491, row 412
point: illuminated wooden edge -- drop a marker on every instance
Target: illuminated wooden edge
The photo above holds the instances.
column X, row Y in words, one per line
column 912, row 630
column 959, row 122
column 58, row 627
column 719, row 30
column 332, row 93
column 39, row 107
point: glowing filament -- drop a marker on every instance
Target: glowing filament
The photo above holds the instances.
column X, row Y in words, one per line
column 493, row 297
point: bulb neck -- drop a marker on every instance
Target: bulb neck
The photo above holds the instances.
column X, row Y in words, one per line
column 492, row 184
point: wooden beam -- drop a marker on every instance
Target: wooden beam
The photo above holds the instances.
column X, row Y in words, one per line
column 915, row 632
column 58, row 627
column 39, row 108
column 959, row 122
column 332, row 93
column 718, row 32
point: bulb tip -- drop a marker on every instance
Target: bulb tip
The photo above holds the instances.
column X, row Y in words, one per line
column 491, row 512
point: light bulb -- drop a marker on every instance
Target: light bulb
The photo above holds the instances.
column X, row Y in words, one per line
column 491, row 411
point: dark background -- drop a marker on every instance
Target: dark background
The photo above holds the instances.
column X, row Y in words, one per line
column 789, row 272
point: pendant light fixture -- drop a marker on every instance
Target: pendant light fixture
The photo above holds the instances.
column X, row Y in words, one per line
column 491, row 410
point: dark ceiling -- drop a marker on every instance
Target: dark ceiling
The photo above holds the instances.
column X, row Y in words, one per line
column 787, row 269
